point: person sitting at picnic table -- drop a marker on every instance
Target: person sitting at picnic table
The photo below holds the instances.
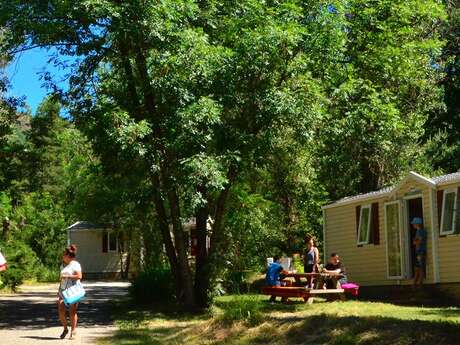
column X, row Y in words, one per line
column 272, row 278
column 336, row 271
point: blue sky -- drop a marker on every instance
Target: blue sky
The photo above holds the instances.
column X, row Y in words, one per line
column 23, row 74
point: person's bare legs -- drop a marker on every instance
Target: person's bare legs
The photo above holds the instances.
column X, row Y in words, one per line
column 421, row 276
column 62, row 317
column 73, row 320
column 418, row 276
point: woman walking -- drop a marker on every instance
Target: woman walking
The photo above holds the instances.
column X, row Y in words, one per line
column 70, row 275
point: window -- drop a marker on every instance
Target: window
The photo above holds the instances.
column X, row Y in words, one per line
column 393, row 233
column 364, row 225
column 113, row 242
column 449, row 211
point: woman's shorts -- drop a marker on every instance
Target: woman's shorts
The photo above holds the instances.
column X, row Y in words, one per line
column 420, row 261
column 308, row 268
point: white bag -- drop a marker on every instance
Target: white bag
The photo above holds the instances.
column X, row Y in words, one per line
column 73, row 294
column 2, row 260
column 3, row 265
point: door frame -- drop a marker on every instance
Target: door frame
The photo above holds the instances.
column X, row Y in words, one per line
column 400, row 210
column 407, row 246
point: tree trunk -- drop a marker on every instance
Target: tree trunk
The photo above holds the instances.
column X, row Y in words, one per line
column 181, row 250
column 201, row 287
column 166, row 235
column 209, row 262
column 6, row 228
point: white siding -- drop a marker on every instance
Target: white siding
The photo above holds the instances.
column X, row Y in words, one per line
column 90, row 255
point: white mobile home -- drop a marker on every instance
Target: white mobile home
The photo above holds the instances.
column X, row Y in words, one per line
column 100, row 249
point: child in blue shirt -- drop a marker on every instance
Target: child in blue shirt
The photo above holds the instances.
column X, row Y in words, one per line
column 420, row 250
column 272, row 277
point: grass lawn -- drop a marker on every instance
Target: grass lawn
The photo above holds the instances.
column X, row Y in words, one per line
column 250, row 319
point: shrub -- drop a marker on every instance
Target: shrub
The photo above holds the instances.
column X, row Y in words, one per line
column 153, row 285
column 235, row 282
column 12, row 278
column 247, row 309
column 47, row 275
column 21, row 263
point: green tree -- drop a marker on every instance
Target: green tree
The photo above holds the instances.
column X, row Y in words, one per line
column 46, row 161
column 194, row 106
column 443, row 127
column 386, row 87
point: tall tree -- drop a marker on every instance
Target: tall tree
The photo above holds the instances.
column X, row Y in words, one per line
column 193, row 92
column 382, row 95
column 443, row 127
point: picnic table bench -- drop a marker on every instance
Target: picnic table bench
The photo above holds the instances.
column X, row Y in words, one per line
column 301, row 292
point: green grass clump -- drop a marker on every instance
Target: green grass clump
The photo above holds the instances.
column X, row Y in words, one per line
column 242, row 308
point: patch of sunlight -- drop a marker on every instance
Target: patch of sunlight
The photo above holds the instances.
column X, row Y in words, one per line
column 368, row 337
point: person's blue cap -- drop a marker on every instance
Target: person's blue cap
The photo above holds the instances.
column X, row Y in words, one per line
column 417, row 220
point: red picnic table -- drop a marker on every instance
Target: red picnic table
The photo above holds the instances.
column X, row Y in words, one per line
column 320, row 278
column 300, row 290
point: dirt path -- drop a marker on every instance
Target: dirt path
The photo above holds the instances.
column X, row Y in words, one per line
column 30, row 317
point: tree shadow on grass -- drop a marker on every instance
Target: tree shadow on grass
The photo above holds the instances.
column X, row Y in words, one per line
column 322, row 329
column 331, row 330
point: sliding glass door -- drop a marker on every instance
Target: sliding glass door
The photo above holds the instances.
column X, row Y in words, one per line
column 394, row 240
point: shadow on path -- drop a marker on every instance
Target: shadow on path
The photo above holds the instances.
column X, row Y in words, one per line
column 36, row 310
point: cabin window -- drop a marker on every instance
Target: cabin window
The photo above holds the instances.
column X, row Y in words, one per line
column 364, row 225
column 449, row 212
column 113, row 242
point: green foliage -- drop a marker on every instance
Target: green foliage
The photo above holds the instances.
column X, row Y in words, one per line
column 247, row 309
column 153, row 285
column 442, row 127
column 254, row 231
column 40, row 157
column 48, row 274
column 252, row 113
column 44, row 227
column 379, row 105
column 22, row 264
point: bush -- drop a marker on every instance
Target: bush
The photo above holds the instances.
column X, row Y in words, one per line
column 237, row 282
column 12, row 278
column 154, row 285
column 247, row 309
column 48, row 275
column 21, row 263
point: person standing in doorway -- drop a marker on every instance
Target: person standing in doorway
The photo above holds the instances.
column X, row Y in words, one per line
column 420, row 251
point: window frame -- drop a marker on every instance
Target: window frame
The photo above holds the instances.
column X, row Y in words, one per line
column 109, row 235
column 363, row 207
column 454, row 212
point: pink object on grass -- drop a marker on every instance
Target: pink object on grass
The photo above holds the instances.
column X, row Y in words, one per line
column 351, row 288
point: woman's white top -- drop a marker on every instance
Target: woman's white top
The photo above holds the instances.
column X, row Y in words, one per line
column 72, row 268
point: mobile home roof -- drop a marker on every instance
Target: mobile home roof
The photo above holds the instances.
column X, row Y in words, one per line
column 433, row 182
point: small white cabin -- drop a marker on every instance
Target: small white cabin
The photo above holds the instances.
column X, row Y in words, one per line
column 99, row 250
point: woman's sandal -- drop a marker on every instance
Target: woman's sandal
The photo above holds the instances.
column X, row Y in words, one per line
column 64, row 333
column 73, row 335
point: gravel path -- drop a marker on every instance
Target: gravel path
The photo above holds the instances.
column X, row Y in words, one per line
column 30, row 317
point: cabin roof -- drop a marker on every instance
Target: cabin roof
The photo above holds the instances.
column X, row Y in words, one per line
column 433, row 182
column 449, row 178
column 83, row 225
